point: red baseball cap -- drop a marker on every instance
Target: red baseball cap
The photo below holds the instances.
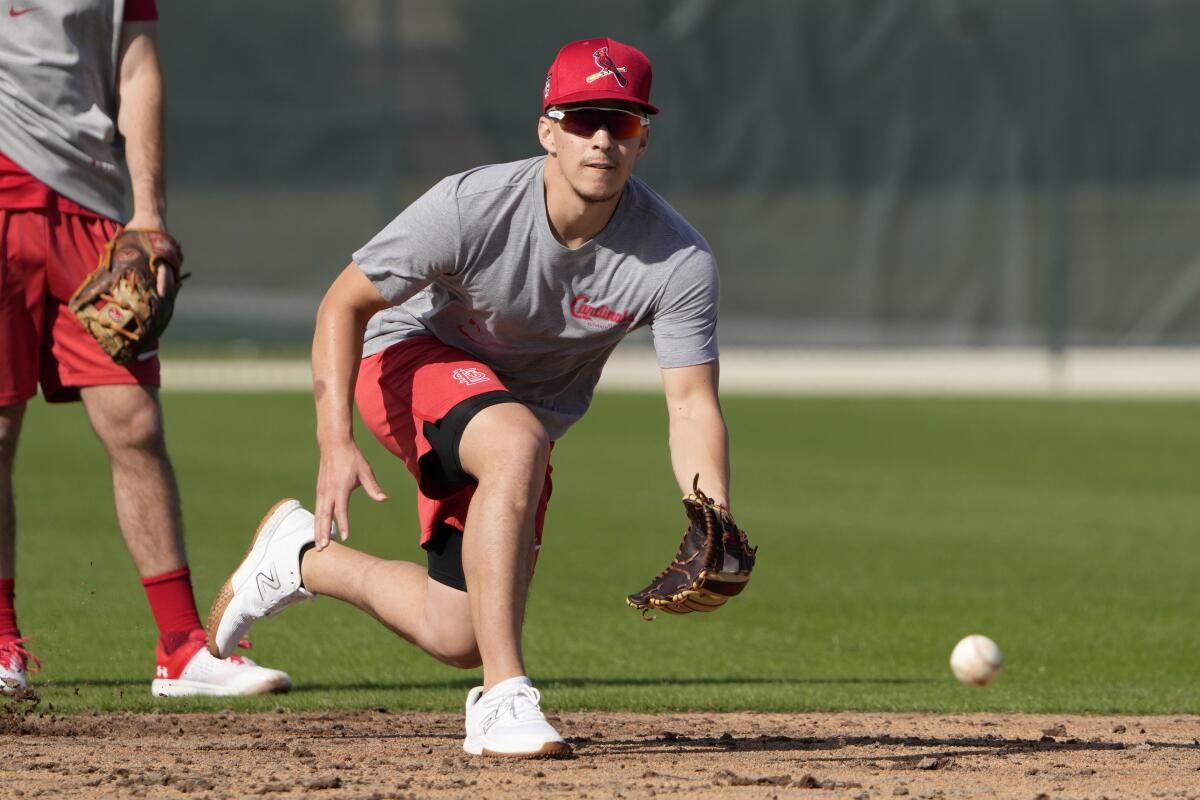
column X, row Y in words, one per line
column 598, row 69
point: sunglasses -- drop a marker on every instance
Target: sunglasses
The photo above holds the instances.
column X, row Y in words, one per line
column 586, row 121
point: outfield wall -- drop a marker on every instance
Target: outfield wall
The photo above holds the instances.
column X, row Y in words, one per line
column 949, row 173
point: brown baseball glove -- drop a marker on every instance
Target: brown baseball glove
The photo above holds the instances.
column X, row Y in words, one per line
column 119, row 302
column 713, row 563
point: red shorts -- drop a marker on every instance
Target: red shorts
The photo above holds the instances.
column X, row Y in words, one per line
column 44, row 255
column 418, row 381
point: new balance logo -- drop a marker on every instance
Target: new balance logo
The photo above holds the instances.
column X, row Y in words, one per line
column 160, row 671
column 267, row 581
column 491, row 719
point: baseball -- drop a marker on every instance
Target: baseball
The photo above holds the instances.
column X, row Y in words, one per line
column 976, row 660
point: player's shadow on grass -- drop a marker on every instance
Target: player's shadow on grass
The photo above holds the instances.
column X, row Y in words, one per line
column 466, row 683
column 583, row 683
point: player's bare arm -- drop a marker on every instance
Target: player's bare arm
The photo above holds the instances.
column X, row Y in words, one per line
column 140, row 119
column 715, row 559
column 698, row 438
column 337, row 349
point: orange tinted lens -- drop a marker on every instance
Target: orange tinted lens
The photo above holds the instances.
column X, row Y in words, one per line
column 586, row 121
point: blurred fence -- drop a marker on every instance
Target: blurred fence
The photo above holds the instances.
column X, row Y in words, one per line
column 925, row 173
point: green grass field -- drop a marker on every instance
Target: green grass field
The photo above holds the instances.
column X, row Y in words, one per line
column 888, row 529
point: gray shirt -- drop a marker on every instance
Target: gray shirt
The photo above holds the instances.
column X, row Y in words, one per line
column 58, row 97
column 474, row 263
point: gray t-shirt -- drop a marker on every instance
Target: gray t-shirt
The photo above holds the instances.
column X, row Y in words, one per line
column 58, row 104
column 474, row 263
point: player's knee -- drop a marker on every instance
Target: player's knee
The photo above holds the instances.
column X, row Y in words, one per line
column 461, row 652
column 530, row 442
column 136, row 427
column 448, row 634
column 505, row 440
column 466, row 659
column 524, row 440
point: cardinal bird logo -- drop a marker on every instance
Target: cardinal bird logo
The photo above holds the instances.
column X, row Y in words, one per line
column 607, row 67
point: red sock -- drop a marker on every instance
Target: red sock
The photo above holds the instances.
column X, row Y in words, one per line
column 8, row 612
column 173, row 606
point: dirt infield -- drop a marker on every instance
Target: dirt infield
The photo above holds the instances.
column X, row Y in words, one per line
column 382, row 754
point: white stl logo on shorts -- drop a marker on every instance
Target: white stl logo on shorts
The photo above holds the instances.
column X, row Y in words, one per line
column 469, row 376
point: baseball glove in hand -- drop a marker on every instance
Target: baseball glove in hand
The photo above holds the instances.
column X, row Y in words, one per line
column 713, row 563
column 119, row 302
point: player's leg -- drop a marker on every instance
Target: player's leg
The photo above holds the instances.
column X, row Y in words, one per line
column 13, row 655
column 481, row 462
column 22, row 315
column 415, row 397
column 402, row 596
column 128, row 421
column 11, row 417
column 506, row 449
column 429, row 608
column 282, row 567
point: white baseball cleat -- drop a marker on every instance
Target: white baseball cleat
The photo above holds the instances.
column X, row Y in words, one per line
column 191, row 670
column 14, row 660
column 268, row 579
column 507, row 722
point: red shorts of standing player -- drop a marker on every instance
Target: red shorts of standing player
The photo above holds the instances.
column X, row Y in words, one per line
column 47, row 253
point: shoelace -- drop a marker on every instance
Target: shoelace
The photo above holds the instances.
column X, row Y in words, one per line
column 14, row 649
column 528, row 710
column 532, row 707
column 234, row 658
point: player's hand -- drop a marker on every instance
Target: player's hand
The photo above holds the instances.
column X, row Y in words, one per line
column 343, row 468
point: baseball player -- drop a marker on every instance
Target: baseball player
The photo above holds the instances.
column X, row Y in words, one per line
column 73, row 77
column 471, row 331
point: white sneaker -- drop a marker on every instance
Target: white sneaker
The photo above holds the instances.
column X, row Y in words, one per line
column 14, row 659
column 191, row 670
column 268, row 579
column 507, row 722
